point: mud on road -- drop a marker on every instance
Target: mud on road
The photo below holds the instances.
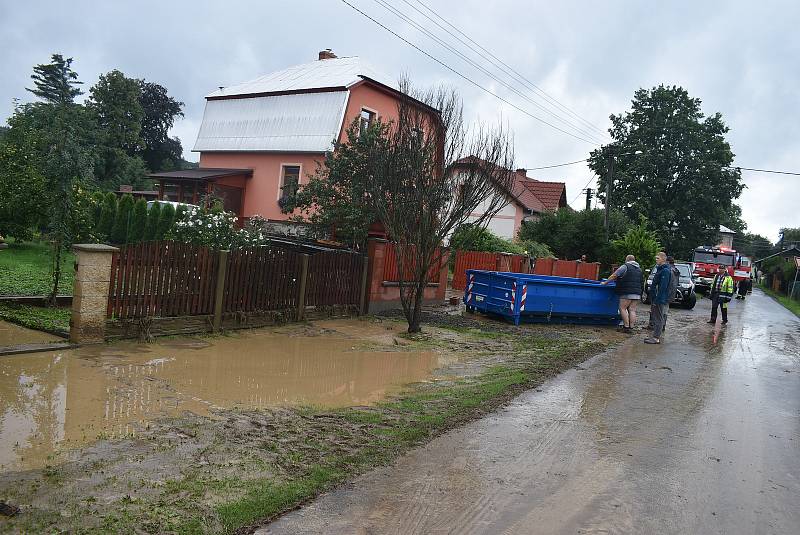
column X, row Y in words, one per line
column 220, row 465
column 700, row 435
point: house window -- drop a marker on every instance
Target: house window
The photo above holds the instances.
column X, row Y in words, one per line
column 365, row 119
column 290, row 179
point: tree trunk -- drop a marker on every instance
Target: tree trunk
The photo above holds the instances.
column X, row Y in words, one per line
column 51, row 301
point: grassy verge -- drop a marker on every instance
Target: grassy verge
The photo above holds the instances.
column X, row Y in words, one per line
column 39, row 318
column 26, row 269
column 198, row 475
column 787, row 302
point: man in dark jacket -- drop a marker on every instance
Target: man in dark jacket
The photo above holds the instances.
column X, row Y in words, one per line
column 629, row 291
column 659, row 297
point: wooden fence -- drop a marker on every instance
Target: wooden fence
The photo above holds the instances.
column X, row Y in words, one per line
column 161, row 279
column 334, row 278
column 170, row 279
column 391, row 269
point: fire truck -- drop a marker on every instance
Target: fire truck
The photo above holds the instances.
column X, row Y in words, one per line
column 706, row 259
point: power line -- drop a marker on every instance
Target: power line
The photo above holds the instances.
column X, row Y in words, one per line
column 479, row 67
column 504, row 67
column 447, row 46
column 556, row 165
column 519, row 76
column 763, row 170
column 584, row 188
column 466, row 78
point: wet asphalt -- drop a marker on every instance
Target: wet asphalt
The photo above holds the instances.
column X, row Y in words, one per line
column 698, row 435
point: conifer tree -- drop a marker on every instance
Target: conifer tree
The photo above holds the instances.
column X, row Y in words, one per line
column 153, row 220
column 56, row 82
column 138, row 223
column 121, row 230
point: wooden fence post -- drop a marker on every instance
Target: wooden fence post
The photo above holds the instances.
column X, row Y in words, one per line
column 362, row 300
column 301, row 299
column 219, row 290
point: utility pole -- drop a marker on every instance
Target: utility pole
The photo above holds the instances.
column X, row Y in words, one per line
column 609, row 179
column 588, row 199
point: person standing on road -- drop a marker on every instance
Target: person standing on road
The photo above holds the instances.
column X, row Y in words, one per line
column 721, row 293
column 659, row 297
column 629, row 291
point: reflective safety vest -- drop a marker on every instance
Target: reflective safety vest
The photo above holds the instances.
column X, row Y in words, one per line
column 722, row 286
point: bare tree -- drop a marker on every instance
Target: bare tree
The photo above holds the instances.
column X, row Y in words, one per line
column 433, row 175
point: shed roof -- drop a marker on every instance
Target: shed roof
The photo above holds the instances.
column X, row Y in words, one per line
column 205, row 173
column 551, row 194
column 339, row 73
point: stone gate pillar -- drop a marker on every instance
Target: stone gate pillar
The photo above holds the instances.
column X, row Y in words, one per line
column 90, row 293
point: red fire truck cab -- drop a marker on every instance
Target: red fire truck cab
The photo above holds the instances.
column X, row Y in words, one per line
column 706, row 259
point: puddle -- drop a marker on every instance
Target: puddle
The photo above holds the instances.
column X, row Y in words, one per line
column 51, row 402
column 12, row 335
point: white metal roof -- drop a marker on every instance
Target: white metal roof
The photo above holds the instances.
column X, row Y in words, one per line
column 338, row 72
column 305, row 122
column 725, row 230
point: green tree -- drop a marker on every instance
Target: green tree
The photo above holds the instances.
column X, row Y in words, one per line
column 336, row 198
column 98, row 199
column 166, row 221
column 136, row 231
column 789, row 237
column 570, row 234
column 122, row 222
column 56, row 82
column 160, row 110
column 671, row 165
column 753, row 245
column 153, row 221
column 22, row 185
column 108, row 216
column 640, row 242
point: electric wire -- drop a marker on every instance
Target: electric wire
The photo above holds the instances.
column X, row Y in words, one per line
column 465, row 77
column 593, row 177
column 508, row 71
column 556, row 165
column 519, row 76
column 569, row 124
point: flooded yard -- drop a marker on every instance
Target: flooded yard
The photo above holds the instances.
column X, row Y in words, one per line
column 13, row 335
column 53, row 402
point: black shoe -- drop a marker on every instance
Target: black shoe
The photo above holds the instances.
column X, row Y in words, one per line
column 711, row 321
column 724, row 322
column 627, row 330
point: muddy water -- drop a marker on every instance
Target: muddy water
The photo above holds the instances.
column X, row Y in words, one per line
column 51, row 402
column 12, row 335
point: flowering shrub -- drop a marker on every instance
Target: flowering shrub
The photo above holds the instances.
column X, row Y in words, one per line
column 216, row 229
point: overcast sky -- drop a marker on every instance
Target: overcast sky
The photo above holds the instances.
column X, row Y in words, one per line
column 739, row 57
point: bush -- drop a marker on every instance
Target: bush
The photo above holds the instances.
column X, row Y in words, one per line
column 138, row 223
column 166, row 221
column 108, row 216
column 119, row 234
column 98, row 202
column 536, row 249
column 640, row 242
column 215, row 228
column 153, row 221
column 468, row 237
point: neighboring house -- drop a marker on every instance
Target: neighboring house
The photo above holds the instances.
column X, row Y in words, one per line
column 260, row 139
column 527, row 200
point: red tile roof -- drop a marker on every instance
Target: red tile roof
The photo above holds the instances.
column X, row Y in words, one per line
column 533, row 194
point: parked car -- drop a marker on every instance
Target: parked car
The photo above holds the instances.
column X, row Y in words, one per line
column 173, row 203
column 685, row 295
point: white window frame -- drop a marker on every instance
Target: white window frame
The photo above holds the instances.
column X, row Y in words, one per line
column 281, row 176
column 369, row 110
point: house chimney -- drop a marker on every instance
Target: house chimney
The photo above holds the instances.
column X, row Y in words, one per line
column 327, row 54
column 523, row 172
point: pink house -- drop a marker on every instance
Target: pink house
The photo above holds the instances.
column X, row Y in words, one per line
column 261, row 138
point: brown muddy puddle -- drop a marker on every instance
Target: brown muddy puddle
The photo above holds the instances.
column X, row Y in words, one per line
column 52, row 402
column 12, row 335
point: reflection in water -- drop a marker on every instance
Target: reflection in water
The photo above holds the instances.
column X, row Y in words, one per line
column 51, row 401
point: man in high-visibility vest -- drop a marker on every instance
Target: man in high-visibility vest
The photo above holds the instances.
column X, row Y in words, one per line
column 721, row 293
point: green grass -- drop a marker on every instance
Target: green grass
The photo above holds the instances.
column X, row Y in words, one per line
column 26, row 269
column 40, row 318
column 789, row 303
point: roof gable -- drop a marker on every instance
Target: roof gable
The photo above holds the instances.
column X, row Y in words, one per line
column 552, row 195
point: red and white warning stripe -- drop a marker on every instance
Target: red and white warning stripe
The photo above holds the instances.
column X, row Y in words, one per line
column 513, row 293
column 524, row 296
column 469, row 287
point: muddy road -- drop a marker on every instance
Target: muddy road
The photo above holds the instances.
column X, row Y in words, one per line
column 698, row 435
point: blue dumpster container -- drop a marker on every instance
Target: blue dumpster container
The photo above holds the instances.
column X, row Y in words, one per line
column 540, row 298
